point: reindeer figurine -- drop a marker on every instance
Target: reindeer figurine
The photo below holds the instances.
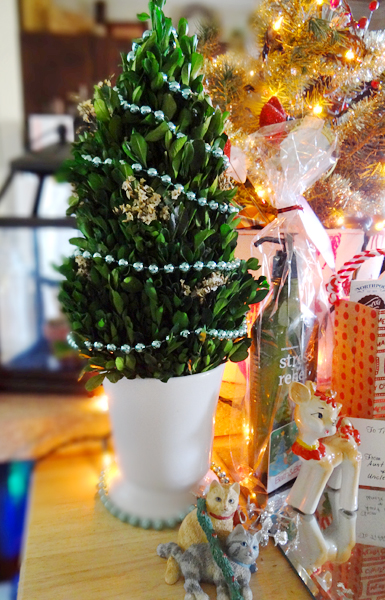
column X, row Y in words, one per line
column 328, row 447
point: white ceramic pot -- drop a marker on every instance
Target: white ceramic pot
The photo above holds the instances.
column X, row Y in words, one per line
column 163, row 435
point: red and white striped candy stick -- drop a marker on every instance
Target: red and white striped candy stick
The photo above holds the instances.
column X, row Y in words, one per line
column 333, row 288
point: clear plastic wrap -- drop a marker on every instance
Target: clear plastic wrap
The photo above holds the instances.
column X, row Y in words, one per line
column 287, row 328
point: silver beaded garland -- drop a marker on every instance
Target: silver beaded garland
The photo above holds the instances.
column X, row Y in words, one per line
column 134, row 108
column 145, row 110
column 184, row 267
column 155, row 344
column 168, row 268
column 217, row 152
column 166, row 179
column 159, row 115
column 174, row 86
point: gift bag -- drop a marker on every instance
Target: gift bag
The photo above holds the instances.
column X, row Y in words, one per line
column 288, row 324
column 359, row 347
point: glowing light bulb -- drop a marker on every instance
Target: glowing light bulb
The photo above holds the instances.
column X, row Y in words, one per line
column 317, row 110
column 251, row 73
column 349, row 55
column 379, row 226
column 320, row 2
column 340, row 221
column 106, row 459
column 261, row 192
column 101, row 403
column 278, row 23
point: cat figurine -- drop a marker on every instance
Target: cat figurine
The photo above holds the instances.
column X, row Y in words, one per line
column 197, row 564
column 221, row 505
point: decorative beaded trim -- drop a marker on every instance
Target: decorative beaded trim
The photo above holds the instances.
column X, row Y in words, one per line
column 222, row 475
column 229, row 334
column 122, row 515
column 166, row 179
column 169, row 268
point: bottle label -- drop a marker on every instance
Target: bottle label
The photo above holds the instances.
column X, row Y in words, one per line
column 292, row 367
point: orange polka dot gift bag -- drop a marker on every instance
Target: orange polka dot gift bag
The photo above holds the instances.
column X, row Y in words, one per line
column 359, row 347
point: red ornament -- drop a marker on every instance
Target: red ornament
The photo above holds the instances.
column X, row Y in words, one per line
column 375, row 85
column 272, row 113
column 334, row 4
column 373, row 5
column 227, row 149
column 362, row 23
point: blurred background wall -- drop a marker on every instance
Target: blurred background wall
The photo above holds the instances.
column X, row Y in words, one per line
column 11, row 104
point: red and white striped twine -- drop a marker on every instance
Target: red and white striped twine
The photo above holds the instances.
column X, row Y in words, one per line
column 333, row 288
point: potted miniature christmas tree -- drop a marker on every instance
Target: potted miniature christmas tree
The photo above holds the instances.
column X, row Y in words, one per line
column 155, row 297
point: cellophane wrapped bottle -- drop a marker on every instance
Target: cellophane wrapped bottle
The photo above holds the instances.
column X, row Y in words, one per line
column 286, row 330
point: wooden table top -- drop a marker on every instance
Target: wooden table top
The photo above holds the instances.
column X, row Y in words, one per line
column 76, row 550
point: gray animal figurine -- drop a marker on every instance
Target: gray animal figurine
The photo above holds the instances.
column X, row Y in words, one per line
column 197, row 564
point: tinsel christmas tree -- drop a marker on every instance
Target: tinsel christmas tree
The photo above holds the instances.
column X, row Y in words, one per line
column 153, row 289
column 314, row 58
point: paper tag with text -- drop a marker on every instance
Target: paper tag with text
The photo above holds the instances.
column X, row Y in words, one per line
column 373, row 451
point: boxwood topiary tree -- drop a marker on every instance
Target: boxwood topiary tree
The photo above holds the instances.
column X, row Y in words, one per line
column 153, row 289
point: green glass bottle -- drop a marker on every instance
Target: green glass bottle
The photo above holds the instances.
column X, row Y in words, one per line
column 284, row 349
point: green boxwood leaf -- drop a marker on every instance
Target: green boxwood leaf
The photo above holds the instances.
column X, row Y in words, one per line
column 94, row 382
column 196, row 64
column 182, row 27
column 238, row 352
column 157, row 82
column 180, row 319
column 169, row 106
column 132, row 284
column 143, row 16
column 101, row 110
column 253, row 264
column 177, row 146
column 118, row 301
column 158, row 133
column 139, row 146
column 186, row 72
column 119, row 362
column 201, row 236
